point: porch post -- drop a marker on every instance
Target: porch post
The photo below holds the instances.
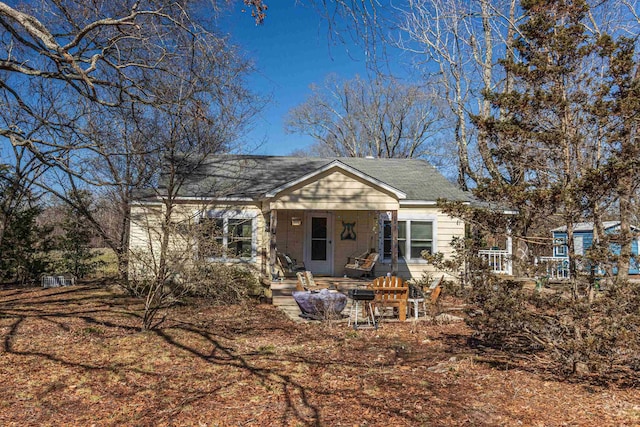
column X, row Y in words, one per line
column 509, row 252
column 273, row 224
column 394, row 243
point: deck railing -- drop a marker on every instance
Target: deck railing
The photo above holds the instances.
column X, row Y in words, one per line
column 557, row 267
column 498, row 259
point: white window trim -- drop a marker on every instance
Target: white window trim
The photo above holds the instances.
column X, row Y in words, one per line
column 560, row 246
column 226, row 215
column 408, row 217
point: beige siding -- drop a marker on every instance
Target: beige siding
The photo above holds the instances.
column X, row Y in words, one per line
column 445, row 228
column 146, row 235
column 290, row 238
column 146, row 232
column 335, row 190
column 145, row 239
column 365, row 221
column 145, row 226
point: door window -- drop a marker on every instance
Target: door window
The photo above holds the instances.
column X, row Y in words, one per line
column 318, row 239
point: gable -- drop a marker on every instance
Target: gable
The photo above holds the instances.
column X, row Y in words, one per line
column 335, row 189
column 348, row 170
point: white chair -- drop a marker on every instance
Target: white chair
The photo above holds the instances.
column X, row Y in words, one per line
column 415, row 302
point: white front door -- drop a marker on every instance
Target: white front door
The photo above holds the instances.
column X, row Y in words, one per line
column 318, row 245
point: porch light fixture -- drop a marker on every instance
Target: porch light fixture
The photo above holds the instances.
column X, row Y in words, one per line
column 296, row 220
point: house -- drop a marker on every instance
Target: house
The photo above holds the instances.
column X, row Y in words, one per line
column 319, row 211
column 583, row 240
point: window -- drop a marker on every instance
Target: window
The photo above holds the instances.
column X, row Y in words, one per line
column 240, row 238
column 414, row 236
column 402, row 239
column 421, row 238
column 210, row 238
column 560, row 244
column 227, row 237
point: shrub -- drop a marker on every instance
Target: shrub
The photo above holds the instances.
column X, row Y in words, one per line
column 224, row 284
column 500, row 314
column 577, row 335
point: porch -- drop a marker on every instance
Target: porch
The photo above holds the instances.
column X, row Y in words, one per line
column 499, row 260
column 324, row 242
column 281, row 293
column 555, row 267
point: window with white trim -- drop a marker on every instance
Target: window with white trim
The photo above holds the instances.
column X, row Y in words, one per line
column 414, row 236
column 388, row 241
column 227, row 237
column 560, row 244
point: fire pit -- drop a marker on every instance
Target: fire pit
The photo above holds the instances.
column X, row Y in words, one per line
column 321, row 305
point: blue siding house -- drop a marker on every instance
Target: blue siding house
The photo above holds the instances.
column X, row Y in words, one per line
column 583, row 240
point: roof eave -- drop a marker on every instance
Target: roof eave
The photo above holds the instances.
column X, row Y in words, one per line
column 202, row 199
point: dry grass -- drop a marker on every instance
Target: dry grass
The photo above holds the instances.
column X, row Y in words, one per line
column 76, row 356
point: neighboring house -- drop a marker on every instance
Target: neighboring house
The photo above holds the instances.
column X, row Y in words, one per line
column 318, row 211
column 583, row 240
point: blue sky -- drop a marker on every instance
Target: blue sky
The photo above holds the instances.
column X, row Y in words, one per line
column 291, row 51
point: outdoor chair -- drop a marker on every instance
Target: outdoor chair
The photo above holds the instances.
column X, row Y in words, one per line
column 363, row 265
column 390, row 292
column 287, row 266
column 306, row 282
column 434, row 290
column 432, row 294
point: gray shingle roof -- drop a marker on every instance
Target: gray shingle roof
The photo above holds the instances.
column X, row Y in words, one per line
column 254, row 176
column 588, row 226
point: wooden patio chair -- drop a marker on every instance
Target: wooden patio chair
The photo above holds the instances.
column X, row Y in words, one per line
column 306, row 282
column 361, row 266
column 432, row 294
column 391, row 292
column 287, row 266
column 434, row 290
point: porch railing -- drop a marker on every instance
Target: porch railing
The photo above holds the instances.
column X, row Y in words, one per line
column 556, row 267
column 498, row 259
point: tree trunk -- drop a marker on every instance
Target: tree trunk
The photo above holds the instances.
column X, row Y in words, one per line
column 625, row 236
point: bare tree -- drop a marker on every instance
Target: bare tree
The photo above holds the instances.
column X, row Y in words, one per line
column 465, row 45
column 60, row 57
column 82, row 90
column 458, row 41
column 191, row 133
column 380, row 118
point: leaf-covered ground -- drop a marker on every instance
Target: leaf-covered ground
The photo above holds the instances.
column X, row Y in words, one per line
column 76, row 356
